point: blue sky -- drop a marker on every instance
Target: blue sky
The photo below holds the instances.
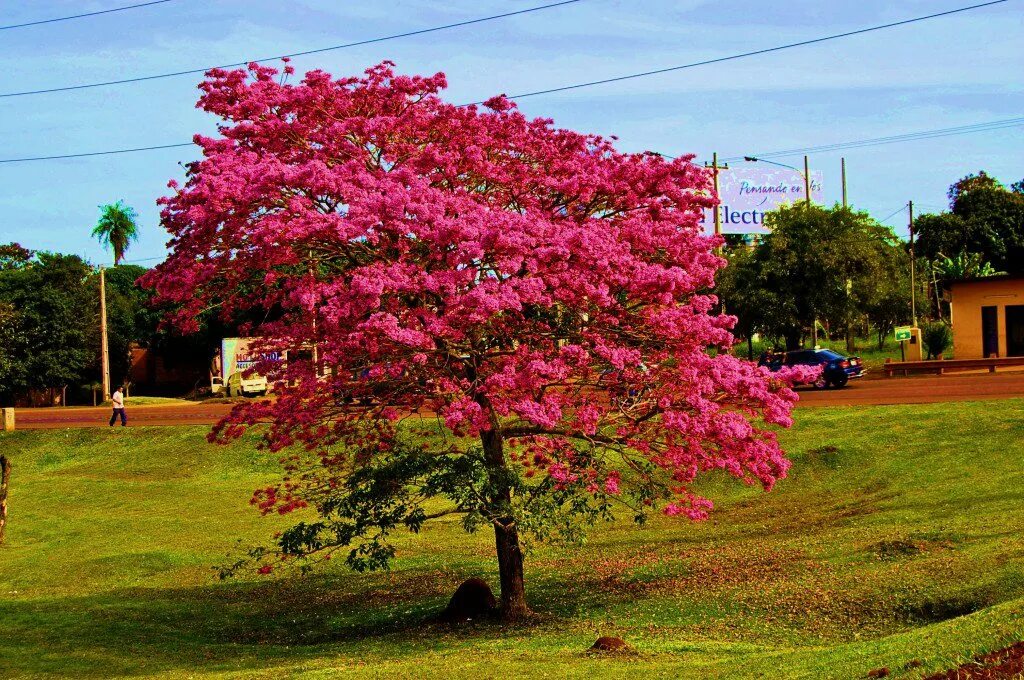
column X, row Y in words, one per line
column 951, row 71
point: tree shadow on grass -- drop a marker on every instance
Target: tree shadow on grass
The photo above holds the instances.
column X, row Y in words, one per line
column 238, row 626
column 217, row 626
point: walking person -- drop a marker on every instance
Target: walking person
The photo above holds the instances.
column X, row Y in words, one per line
column 118, row 399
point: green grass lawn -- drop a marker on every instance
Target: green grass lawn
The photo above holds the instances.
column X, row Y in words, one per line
column 899, row 536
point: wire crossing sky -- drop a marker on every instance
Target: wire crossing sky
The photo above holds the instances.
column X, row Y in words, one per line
column 565, row 88
column 754, row 53
column 912, row 107
column 358, row 43
column 82, row 16
column 910, row 136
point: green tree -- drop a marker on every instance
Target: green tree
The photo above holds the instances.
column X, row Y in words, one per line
column 117, row 228
column 10, row 329
column 13, row 256
column 130, row 318
column 743, row 292
column 1001, row 213
column 820, row 264
column 888, row 304
column 972, row 182
column 949, row 233
column 52, row 336
column 985, row 219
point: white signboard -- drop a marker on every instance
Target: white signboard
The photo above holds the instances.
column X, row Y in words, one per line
column 747, row 193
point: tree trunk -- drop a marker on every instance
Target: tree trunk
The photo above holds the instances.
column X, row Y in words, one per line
column 750, row 346
column 5, row 478
column 793, row 339
column 510, row 570
column 506, row 535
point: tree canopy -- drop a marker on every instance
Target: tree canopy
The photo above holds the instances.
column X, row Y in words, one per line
column 817, row 264
column 52, row 338
column 49, row 320
column 539, row 290
column 985, row 219
column 117, row 228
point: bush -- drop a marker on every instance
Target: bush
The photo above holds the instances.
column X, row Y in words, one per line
column 937, row 338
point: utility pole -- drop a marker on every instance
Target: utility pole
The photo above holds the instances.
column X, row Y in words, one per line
column 715, row 167
column 913, row 275
column 104, row 348
column 807, row 181
column 842, row 162
column 807, row 197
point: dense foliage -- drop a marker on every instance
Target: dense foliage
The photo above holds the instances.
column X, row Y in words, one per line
column 52, row 338
column 985, row 220
column 540, row 291
column 49, row 321
column 937, row 337
column 833, row 266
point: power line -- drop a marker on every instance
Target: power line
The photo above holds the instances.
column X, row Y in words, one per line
column 145, row 259
column 767, row 50
column 81, row 16
column 358, row 43
column 95, row 153
column 894, row 212
column 926, row 134
column 907, row 137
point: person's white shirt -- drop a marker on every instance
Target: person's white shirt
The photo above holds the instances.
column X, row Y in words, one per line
column 118, row 399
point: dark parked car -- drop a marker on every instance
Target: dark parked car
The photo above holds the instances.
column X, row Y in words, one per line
column 836, row 369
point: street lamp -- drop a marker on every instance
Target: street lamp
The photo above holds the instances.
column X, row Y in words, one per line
column 806, row 173
column 753, row 159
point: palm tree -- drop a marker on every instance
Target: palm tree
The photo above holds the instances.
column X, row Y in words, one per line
column 117, row 228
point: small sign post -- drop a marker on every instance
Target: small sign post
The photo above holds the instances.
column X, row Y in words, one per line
column 903, row 333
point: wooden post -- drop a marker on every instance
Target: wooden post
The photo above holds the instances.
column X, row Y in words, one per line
column 913, row 266
column 842, row 162
column 715, row 167
column 7, row 419
column 5, row 479
column 104, row 351
column 807, row 180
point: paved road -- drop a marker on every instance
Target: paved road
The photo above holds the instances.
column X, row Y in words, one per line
column 915, row 390
column 184, row 414
column 919, row 390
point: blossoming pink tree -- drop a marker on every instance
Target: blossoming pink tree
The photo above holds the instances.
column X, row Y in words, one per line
column 542, row 293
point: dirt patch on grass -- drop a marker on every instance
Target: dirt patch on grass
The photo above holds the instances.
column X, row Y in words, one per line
column 942, row 609
column 826, row 456
column 1003, row 663
column 715, row 569
column 908, row 547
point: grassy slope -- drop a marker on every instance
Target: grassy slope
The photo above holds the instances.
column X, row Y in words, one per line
column 871, row 554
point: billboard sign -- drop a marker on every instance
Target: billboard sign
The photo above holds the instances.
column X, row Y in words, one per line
column 747, row 193
column 236, row 355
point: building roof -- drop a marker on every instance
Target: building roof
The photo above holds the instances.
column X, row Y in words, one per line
column 985, row 279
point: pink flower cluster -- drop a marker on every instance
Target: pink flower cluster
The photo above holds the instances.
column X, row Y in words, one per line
column 503, row 272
